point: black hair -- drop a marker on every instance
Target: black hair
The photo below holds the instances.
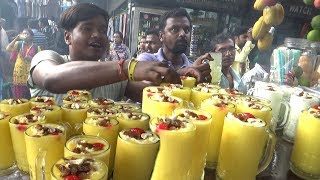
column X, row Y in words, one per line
column 80, row 12
column 179, row 12
column 44, row 21
column 153, row 32
column 33, row 24
column 29, row 31
column 119, row 33
column 220, row 38
column 238, row 30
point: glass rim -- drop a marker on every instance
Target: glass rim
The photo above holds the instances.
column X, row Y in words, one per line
column 88, row 137
column 113, row 118
column 152, row 123
column 200, row 110
column 63, row 129
column 233, row 105
column 129, row 119
column 14, row 117
column 131, row 142
column 245, row 123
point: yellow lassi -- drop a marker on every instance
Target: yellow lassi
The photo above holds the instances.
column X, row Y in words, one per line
column 15, row 106
column 7, row 159
column 147, row 92
column 178, row 90
column 129, row 120
column 259, row 110
column 201, row 92
column 52, row 113
column 74, row 114
column 42, row 100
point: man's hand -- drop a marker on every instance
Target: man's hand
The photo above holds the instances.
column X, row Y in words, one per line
column 249, row 34
column 192, row 72
column 156, row 72
column 202, row 65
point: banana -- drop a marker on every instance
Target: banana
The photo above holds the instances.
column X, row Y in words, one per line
column 273, row 15
column 260, row 29
column 259, row 5
column 279, row 14
column 265, row 42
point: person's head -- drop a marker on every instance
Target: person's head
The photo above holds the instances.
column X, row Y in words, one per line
column 28, row 35
column 33, row 24
column 142, row 44
column 263, row 59
column 43, row 22
column 153, row 43
column 240, row 35
column 117, row 37
column 224, row 44
column 175, row 27
column 85, row 28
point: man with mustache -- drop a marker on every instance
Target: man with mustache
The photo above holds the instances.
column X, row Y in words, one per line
column 224, row 44
column 175, row 35
column 153, row 43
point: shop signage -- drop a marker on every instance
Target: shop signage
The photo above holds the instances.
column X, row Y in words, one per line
column 299, row 10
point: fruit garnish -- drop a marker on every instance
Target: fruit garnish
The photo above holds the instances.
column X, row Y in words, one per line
column 202, row 117
column 137, row 130
column 98, row 146
column 316, row 107
column 74, row 93
column 72, row 177
column 35, row 109
column 248, row 115
column 163, row 126
column 22, row 127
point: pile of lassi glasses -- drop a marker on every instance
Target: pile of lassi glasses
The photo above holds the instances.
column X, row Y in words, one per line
column 178, row 131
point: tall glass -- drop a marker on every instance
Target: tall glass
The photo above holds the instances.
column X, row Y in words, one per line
column 299, row 102
column 202, row 120
column 261, row 111
column 44, row 146
column 107, row 128
column 201, row 92
column 176, row 148
column 7, row 160
column 52, row 113
column 218, row 109
column 147, row 92
column 129, row 120
column 305, row 157
column 91, row 146
column 178, row 90
column 42, row 100
column 18, row 125
column 136, row 153
column 246, row 147
column 92, row 168
column 74, row 114
column 15, row 106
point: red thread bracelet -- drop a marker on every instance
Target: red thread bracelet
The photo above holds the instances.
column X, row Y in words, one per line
column 120, row 68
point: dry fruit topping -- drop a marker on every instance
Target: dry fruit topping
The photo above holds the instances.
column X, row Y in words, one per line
column 174, row 86
column 225, row 97
column 102, row 111
column 76, row 106
column 134, row 133
column 135, row 116
column 102, row 101
column 103, row 121
column 315, row 111
column 127, row 107
column 139, row 136
column 257, row 106
column 84, row 147
column 44, row 99
column 14, row 101
column 249, row 118
column 44, row 130
column 3, row 115
column 77, row 99
column 76, row 168
column 305, row 95
column 155, row 89
column 41, row 108
column 188, row 114
column 171, row 123
column 79, row 93
column 27, row 119
column 163, row 98
column 206, row 88
column 230, row 91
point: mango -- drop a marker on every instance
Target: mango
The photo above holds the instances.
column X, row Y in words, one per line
column 260, row 29
column 314, row 35
column 265, row 42
column 315, row 22
column 259, row 5
column 273, row 15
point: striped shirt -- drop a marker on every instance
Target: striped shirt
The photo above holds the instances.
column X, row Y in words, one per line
column 39, row 39
column 113, row 91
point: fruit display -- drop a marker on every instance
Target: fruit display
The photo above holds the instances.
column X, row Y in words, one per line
column 314, row 35
column 317, row 4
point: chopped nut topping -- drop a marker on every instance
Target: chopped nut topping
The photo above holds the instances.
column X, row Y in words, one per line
column 27, row 119
column 135, row 133
column 41, row 108
column 155, row 89
column 44, row 130
column 44, row 99
column 75, row 106
column 83, row 147
column 127, row 107
column 103, row 101
column 163, row 98
column 14, row 101
column 255, row 106
column 188, row 114
column 174, row 86
column 136, row 116
column 102, row 111
column 171, row 123
column 243, row 116
column 3, row 115
column 80, row 168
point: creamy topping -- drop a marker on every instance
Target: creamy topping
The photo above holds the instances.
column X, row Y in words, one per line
column 247, row 118
column 84, row 147
column 41, row 109
column 27, row 119
column 76, row 106
column 14, row 101
column 79, row 93
column 173, row 86
column 44, row 99
column 163, row 98
column 77, row 168
column 315, row 111
column 135, row 116
column 3, row 115
column 171, row 123
column 101, row 101
column 230, row 91
column 206, row 89
column 44, row 130
column 139, row 136
column 218, row 102
column 257, row 106
column 127, row 107
column 103, row 121
column 77, row 99
column 254, row 100
column 305, row 95
column 225, row 97
column 191, row 115
column 102, row 111
column 155, row 89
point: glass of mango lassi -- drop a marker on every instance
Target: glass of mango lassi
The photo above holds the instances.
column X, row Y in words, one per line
column 101, row 111
column 253, row 99
column 129, row 120
column 15, row 106
column 188, row 81
column 107, row 128
column 201, row 92
column 7, row 160
column 86, row 145
column 305, row 157
column 136, row 153
column 177, row 138
column 218, row 108
column 78, row 168
column 42, row 100
column 44, row 146
column 74, row 114
column 178, row 90
column 127, row 107
column 161, row 105
column 101, row 103
column 18, row 125
column 245, row 141
column 202, row 120
column 261, row 111
column 52, row 113
column 149, row 91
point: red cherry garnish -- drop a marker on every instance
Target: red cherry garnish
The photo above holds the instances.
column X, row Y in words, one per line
column 149, row 94
column 35, row 109
column 137, row 130
column 163, row 126
column 54, row 133
column 98, row 146
column 74, row 93
column 248, row 115
column 22, row 127
column 231, row 91
column 202, row 117
column 72, row 177
column 50, row 102
column 316, row 107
